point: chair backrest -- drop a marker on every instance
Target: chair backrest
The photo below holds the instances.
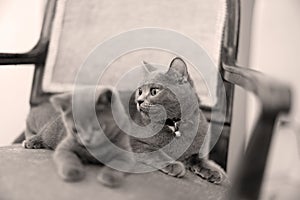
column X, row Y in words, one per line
column 79, row 26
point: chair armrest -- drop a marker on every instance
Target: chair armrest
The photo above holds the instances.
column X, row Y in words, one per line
column 33, row 56
column 275, row 99
column 273, row 95
column 37, row 55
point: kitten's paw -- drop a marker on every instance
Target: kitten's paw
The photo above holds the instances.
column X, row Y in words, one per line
column 211, row 174
column 24, row 144
column 110, row 177
column 176, row 169
column 32, row 143
column 72, row 173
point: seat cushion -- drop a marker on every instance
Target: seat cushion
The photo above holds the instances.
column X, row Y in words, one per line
column 31, row 174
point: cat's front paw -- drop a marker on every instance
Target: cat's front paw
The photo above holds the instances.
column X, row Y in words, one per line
column 213, row 175
column 176, row 169
column 32, row 143
column 71, row 173
column 110, row 177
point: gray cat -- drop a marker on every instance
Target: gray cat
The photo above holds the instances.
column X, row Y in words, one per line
column 51, row 126
column 155, row 90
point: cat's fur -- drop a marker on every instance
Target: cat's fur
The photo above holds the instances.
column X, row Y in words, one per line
column 177, row 77
column 51, row 125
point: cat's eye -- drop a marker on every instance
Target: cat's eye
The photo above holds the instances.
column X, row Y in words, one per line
column 154, row 91
column 140, row 91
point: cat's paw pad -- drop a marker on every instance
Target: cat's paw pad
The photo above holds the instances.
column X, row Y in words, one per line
column 32, row 144
column 110, row 177
column 212, row 175
column 72, row 174
column 176, row 169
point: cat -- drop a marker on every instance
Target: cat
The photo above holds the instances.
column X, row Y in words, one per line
column 51, row 125
column 154, row 91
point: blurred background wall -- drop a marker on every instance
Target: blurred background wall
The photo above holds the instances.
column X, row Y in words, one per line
column 275, row 50
column 20, row 23
column 275, row 45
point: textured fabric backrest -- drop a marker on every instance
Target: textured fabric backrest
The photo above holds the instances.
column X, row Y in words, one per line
column 79, row 26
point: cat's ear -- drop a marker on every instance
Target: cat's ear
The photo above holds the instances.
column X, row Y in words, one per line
column 104, row 97
column 148, row 68
column 179, row 66
column 62, row 102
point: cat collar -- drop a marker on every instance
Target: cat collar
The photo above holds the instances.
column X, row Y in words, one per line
column 174, row 126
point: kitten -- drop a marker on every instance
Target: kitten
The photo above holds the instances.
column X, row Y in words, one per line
column 154, row 91
column 51, row 126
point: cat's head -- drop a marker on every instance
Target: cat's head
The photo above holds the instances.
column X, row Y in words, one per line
column 86, row 130
column 159, row 88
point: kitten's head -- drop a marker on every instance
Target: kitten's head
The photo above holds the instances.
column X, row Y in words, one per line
column 159, row 88
column 86, row 130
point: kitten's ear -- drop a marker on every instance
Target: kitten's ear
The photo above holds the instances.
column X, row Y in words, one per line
column 148, row 67
column 179, row 66
column 104, row 97
column 62, row 102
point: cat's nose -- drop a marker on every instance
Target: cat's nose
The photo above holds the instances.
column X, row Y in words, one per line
column 140, row 102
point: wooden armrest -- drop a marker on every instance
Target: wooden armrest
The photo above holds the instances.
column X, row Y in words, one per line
column 33, row 56
column 275, row 98
column 37, row 54
column 273, row 95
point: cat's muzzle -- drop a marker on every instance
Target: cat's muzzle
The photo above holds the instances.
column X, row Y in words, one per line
column 143, row 108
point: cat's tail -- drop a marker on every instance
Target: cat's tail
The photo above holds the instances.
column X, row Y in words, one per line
column 20, row 138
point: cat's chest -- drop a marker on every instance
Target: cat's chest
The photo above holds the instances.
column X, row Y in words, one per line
column 190, row 139
column 162, row 138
